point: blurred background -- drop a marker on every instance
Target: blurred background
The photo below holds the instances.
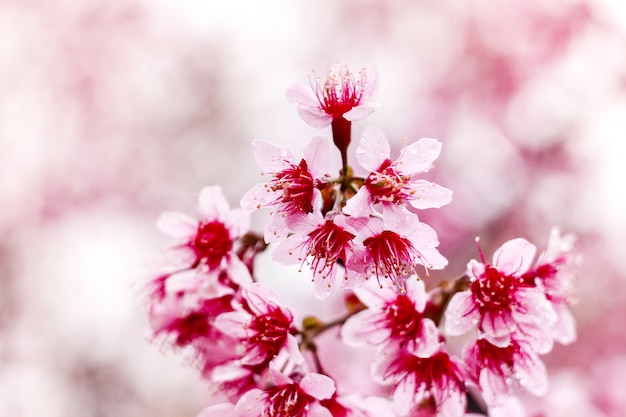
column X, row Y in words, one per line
column 114, row 111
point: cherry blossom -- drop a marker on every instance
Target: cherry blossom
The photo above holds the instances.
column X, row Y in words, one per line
column 393, row 182
column 499, row 300
column 320, row 242
column 288, row 398
column 500, row 370
column 263, row 325
column 208, row 242
column 340, row 95
column 393, row 318
column 293, row 187
column 435, row 382
column 392, row 247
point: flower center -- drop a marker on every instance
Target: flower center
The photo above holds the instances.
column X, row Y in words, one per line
column 405, row 322
column 286, row 401
column 436, row 371
column 270, row 331
column 297, row 185
column 391, row 254
column 494, row 358
column 340, row 93
column 494, row 291
column 385, row 184
column 327, row 244
column 211, row 243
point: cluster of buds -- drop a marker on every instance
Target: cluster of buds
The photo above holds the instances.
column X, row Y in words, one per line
column 361, row 235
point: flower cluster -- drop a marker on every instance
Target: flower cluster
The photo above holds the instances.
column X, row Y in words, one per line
column 358, row 233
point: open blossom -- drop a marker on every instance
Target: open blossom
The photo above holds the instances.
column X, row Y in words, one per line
column 393, row 319
column 292, row 187
column 392, row 247
column 499, row 301
column 288, row 398
column 500, row 370
column 340, row 95
column 322, row 243
column 434, row 383
column 393, row 182
column 263, row 325
column 208, row 242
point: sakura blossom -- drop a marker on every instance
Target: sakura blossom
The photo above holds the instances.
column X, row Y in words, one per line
column 263, row 325
column 208, row 242
column 499, row 300
column 288, row 398
column 394, row 182
column 500, row 370
column 340, row 95
column 433, row 383
column 321, row 243
column 393, row 320
column 293, row 187
column 392, row 247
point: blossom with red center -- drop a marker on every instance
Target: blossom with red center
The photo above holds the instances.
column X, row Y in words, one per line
column 554, row 276
column 293, row 187
column 208, row 243
column 288, row 398
column 435, row 382
column 499, row 301
column 500, row 370
column 393, row 319
column 392, row 247
column 393, row 182
column 340, row 95
column 320, row 242
column 263, row 325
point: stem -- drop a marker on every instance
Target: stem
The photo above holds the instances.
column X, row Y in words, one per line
column 341, row 137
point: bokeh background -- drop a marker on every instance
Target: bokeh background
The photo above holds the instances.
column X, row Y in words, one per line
column 113, row 111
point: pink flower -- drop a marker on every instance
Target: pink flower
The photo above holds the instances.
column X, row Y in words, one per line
column 293, row 187
column 393, row 319
column 498, row 370
column 393, row 182
column 554, row 276
column 288, row 398
column 341, row 95
column 499, row 301
column 435, row 382
column 322, row 243
column 263, row 325
column 208, row 242
column 392, row 247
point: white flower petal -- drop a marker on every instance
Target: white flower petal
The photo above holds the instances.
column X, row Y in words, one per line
column 373, row 148
column 419, row 156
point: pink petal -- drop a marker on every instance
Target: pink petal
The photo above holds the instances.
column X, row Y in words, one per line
column 429, row 195
column 564, row 330
column 461, row 314
column 359, row 330
column 259, row 196
column 403, row 395
column 293, row 350
column 370, row 88
column 290, row 250
column 498, row 328
column 534, row 308
column 212, row 204
column 233, row 323
column 318, row 154
column 259, row 297
column 532, row 375
column 318, row 386
column 324, row 285
column 514, row 256
column 177, row 225
column 373, row 148
column 360, row 112
column 271, row 158
column 453, row 404
column 302, row 94
column 360, row 204
column 278, row 377
column 237, row 221
column 419, row 156
column 494, row 387
column 318, row 410
column 314, row 116
column 428, row 343
column 276, row 230
column 416, row 291
column 250, row 404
